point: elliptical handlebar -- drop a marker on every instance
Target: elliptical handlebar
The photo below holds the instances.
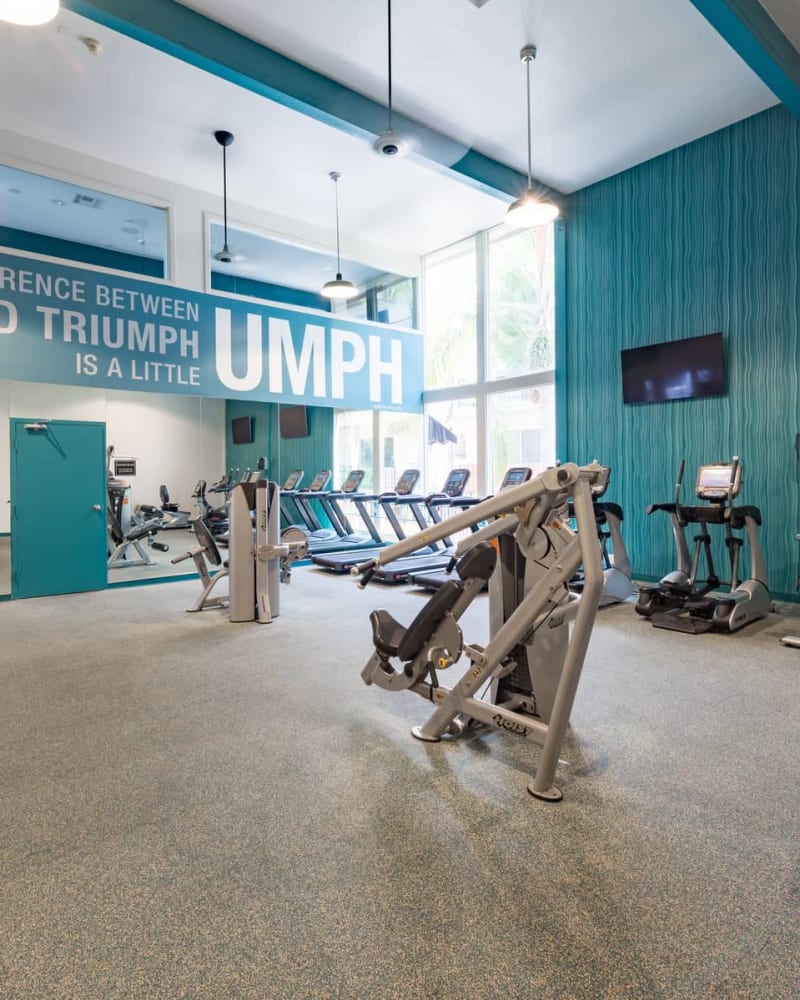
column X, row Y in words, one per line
column 732, row 481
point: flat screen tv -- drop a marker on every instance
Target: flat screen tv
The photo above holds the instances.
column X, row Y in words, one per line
column 293, row 422
column 676, row 369
column 242, row 430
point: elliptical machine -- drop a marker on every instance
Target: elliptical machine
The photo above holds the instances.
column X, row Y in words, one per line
column 686, row 603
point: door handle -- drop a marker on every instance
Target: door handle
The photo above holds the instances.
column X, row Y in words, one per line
column 96, row 506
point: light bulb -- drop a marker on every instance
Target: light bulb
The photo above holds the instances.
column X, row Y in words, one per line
column 28, row 12
column 529, row 211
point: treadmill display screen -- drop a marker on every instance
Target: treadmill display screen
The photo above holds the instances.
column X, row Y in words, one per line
column 515, row 476
column 406, row 483
column 456, row 482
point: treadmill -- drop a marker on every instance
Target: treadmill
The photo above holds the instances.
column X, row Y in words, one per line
column 300, row 501
column 432, row 579
column 292, row 482
column 343, row 561
column 347, row 538
column 436, row 557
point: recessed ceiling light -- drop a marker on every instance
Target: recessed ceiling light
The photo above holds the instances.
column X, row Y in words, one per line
column 140, row 241
column 58, row 201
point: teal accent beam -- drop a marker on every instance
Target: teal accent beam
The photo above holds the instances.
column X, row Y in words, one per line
column 562, row 387
column 754, row 36
column 193, row 38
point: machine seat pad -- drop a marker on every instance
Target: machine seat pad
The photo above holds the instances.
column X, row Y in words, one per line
column 387, row 632
column 142, row 532
column 392, row 639
column 479, row 562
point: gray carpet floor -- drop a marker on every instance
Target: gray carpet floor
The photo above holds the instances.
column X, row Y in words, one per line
column 196, row 809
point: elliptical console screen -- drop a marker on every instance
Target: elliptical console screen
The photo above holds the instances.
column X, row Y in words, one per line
column 713, row 481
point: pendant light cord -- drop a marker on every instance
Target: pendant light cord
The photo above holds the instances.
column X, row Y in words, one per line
column 338, row 258
column 389, row 8
column 334, row 176
column 225, row 195
column 528, row 62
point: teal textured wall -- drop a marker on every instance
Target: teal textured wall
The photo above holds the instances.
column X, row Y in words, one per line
column 703, row 239
column 312, row 453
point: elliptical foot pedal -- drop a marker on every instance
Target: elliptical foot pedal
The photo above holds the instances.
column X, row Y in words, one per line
column 791, row 640
column 682, row 623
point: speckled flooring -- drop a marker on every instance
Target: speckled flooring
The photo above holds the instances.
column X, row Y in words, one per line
column 195, row 809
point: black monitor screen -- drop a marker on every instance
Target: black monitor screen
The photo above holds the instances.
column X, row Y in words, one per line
column 293, row 422
column 242, row 430
column 677, row 369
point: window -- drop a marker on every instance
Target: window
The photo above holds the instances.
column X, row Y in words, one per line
column 521, row 336
column 61, row 219
column 450, row 324
column 521, row 430
column 353, row 446
column 401, row 447
column 390, row 301
column 451, row 430
column 489, row 325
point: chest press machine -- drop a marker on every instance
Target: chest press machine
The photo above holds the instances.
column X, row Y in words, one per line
column 530, row 668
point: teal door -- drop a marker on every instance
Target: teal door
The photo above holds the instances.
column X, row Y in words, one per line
column 58, row 507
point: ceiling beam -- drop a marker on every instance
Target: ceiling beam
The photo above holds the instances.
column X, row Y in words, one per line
column 757, row 39
column 194, row 38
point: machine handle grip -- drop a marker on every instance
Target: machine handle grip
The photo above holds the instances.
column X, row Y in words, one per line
column 366, row 571
column 188, row 555
column 732, row 483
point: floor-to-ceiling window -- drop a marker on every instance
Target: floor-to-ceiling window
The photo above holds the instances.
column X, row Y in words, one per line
column 489, row 321
column 488, row 315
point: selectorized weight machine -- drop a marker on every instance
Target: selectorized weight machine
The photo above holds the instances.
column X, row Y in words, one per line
column 525, row 679
column 257, row 562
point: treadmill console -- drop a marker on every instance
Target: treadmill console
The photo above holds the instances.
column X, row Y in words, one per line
column 515, row 476
column 714, row 481
column 293, row 480
column 320, row 481
column 455, row 483
column 407, row 481
column 353, row 481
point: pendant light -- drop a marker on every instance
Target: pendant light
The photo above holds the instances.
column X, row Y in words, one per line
column 28, row 12
column 388, row 142
column 225, row 255
column 529, row 210
column 338, row 289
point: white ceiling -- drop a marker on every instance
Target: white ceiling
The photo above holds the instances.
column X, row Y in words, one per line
column 615, row 82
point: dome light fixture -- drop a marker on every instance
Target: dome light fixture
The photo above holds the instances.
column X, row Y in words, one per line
column 28, row 12
column 338, row 288
column 529, row 210
column 389, row 143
